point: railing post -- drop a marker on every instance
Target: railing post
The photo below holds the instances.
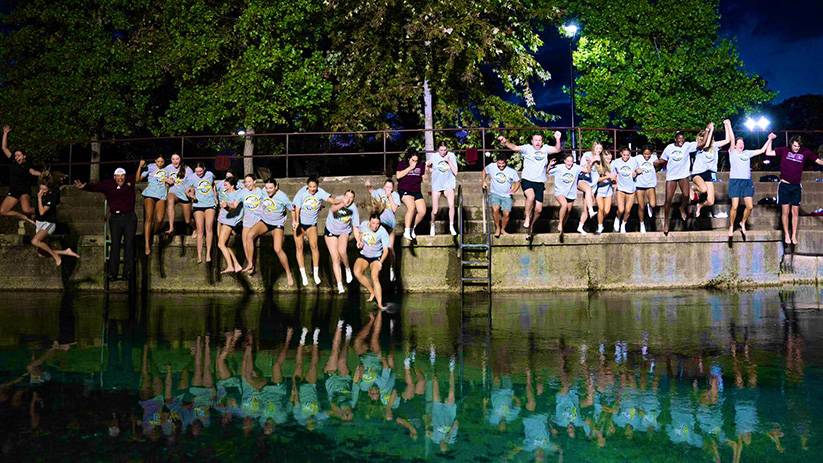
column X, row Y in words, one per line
column 614, row 142
column 94, row 166
column 786, row 135
column 248, row 152
column 385, row 164
column 71, row 148
column 287, row 155
column 182, row 147
column 482, row 148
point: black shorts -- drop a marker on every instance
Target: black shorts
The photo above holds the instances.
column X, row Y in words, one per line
column 304, row 227
column 644, row 188
column 389, row 229
column 538, row 187
column 369, row 259
column 414, row 194
column 789, row 193
column 201, row 208
column 326, row 232
column 16, row 191
column 705, row 175
column 236, row 228
column 270, row 227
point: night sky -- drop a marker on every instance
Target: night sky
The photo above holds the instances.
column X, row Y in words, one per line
column 782, row 42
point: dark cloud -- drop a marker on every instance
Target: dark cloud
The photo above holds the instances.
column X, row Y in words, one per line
column 786, row 21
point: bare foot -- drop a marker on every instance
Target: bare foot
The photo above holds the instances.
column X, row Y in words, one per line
column 169, row 232
column 208, row 257
column 148, row 250
column 290, row 279
column 238, row 268
column 505, row 233
column 683, row 214
column 57, row 260
column 228, row 270
column 249, row 270
column 371, row 297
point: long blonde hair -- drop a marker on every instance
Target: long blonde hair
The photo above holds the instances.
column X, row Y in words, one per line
column 605, row 165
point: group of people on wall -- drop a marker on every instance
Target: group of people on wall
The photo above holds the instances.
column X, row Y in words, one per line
column 249, row 208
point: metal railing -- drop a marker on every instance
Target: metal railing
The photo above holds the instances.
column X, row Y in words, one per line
column 331, row 153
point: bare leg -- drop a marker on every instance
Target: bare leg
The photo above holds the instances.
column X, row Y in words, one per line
column 563, row 204
column 148, row 222
column 6, row 209
column 298, row 248
column 420, row 205
column 671, row 186
column 795, row 218
column 375, row 278
column 277, row 241
column 529, row 207
column 504, row 223
column 210, row 216
column 311, row 378
column 629, row 202
column 360, row 347
column 159, row 215
column 248, row 237
column 449, row 194
column 360, row 266
column 784, row 212
column 342, row 359
column 37, row 242
column 408, row 201
column 331, row 245
column 223, row 234
column 733, row 214
column 343, row 250
column 208, row 379
column 197, row 380
column 435, row 208
column 331, row 363
column 747, row 202
column 186, row 213
column 685, row 191
column 277, row 367
column 200, row 223
column 496, row 220
column 374, row 342
column 315, row 250
column 170, row 201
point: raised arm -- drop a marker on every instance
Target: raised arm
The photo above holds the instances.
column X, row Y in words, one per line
column 729, row 140
column 557, row 147
column 336, row 205
column 402, row 173
column 41, row 209
column 503, row 141
column 6, row 150
column 766, row 146
column 709, row 140
column 137, row 176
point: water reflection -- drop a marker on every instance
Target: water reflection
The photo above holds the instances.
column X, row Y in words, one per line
column 648, row 376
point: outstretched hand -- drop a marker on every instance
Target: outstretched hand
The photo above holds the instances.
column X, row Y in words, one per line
column 79, row 185
column 6, row 129
column 557, row 135
column 772, row 136
column 502, row 139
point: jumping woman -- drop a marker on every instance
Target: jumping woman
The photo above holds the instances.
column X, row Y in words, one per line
column 229, row 220
column 21, row 176
column 625, row 169
column 587, row 182
column 677, row 157
column 48, row 198
column 409, row 178
column 566, row 176
column 273, row 208
column 605, row 188
column 373, row 242
column 533, row 178
column 154, row 198
column 307, row 204
column 386, row 200
column 443, row 169
column 342, row 217
column 176, row 175
column 200, row 189
column 705, row 163
column 740, row 180
column 646, row 183
column 252, row 198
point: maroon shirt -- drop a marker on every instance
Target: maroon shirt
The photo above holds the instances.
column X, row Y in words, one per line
column 120, row 198
column 792, row 164
column 411, row 181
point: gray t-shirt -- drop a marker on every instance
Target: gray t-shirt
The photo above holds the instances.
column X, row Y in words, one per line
column 501, row 180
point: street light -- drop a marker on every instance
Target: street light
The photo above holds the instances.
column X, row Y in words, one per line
column 757, row 125
column 241, row 132
column 570, row 30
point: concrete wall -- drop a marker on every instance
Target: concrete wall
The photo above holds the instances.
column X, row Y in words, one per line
column 609, row 261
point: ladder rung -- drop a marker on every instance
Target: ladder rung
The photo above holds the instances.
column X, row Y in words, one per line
column 478, row 246
column 474, row 279
column 475, row 263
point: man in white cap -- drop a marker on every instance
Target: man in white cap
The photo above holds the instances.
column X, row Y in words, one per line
column 122, row 220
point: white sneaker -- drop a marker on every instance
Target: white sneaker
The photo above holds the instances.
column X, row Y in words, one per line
column 649, row 210
column 431, row 230
column 316, row 335
column 591, row 212
column 391, row 273
column 581, row 230
column 407, row 363
column 432, row 354
column 303, row 277
column 721, row 215
column 348, row 332
column 413, row 234
column 340, row 288
column 623, row 228
column 303, row 336
column 526, row 221
column 316, row 278
column 407, row 234
column 452, row 363
column 599, row 229
column 339, row 324
column 349, row 276
column 452, row 230
column 642, row 227
column 616, row 224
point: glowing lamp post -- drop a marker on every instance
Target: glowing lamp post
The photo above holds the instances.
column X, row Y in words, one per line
column 570, row 30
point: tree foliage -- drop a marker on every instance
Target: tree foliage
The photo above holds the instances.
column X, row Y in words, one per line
column 658, row 64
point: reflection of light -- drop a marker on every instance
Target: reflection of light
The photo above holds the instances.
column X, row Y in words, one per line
column 763, row 123
column 241, row 132
column 570, row 29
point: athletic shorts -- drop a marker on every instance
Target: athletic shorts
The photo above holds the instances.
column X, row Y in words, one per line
column 326, row 232
column 369, row 259
column 741, row 188
column 605, row 190
column 236, row 228
column 538, row 187
column 48, row 227
column 16, row 191
column 304, row 227
column 270, row 227
column 504, row 202
column 202, row 208
column 389, row 229
column 789, row 193
column 414, row 194
column 706, row 175
column 644, row 188
column 585, row 178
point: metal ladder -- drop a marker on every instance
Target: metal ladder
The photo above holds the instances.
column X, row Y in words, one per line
column 474, row 255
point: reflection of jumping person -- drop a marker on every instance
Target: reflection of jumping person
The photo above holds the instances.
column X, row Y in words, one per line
column 535, row 160
column 444, row 423
column 342, row 217
column 307, row 204
column 304, row 398
column 373, row 242
column 339, row 386
column 48, row 198
column 443, row 169
column 21, row 175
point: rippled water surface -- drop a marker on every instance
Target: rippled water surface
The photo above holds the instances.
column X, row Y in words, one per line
column 642, row 376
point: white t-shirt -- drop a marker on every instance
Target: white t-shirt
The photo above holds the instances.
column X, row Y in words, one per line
column 442, row 175
column 501, row 181
column 625, row 174
column 705, row 161
column 534, row 163
column 648, row 179
column 583, row 160
column 678, row 160
column 741, row 167
column 565, row 180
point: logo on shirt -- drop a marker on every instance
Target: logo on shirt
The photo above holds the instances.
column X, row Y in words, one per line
column 204, row 186
column 160, row 176
column 539, row 156
column 796, row 157
column 567, row 177
column 500, row 177
column 251, row 201
column 742, row 157
column 310, row 203
column 370, row 238
column 625, row 171
column 709, row 155
column 647, row 167
column 269, row 205
column 343, row 215
column 677, row 155
column 443, row 166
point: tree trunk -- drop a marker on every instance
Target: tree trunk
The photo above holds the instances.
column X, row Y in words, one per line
column 248, row 152
column 428, row 119
column 94, row 166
